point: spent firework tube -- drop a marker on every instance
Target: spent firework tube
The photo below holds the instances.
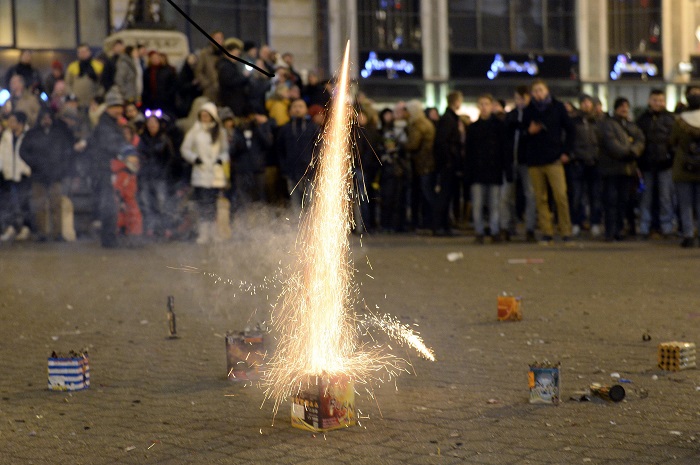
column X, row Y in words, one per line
column 614, row 393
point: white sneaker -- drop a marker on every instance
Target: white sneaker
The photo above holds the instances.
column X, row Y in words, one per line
column 596, row 230
column 575, row 230
column 9, row 234
column 24, row 234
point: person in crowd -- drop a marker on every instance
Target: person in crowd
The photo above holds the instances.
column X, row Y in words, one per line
column 48, row 150
column 109, row 72
column 314, row 92
column 58, row 96
column 278, row 105
column 125, row 169
column 294, row 76
column 685, row 141
column 488, row 162
column 233, row 79
column 266, row 54
column 206, row 68
column 15, row 182
column 622, row 145
column 22, row 100
column 394, row 173
column 295, row 145
column 583, row 175
column 104, row 146
column 250, row 51
column 433, row 115
column 600, row 114
column 499, row 109
column 521, row 177
column 188, row 87
column 252, row 138
column 420, row 133
column 127, row 74
column 56, row 74
column 157, row 156
column 159, row 84
column 206, row 148
column 258, row 87
column 83, row 76
column 549, row 133
column 368, row 140
column 135, row 117
column 30, row 75
column 656, row 166
column 449, row 154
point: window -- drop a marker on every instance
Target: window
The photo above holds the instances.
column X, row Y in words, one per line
column 512, row 25
column 389, row 24
column 245, row 19
column 45, row 24
column 5, row 23
column 634, row 26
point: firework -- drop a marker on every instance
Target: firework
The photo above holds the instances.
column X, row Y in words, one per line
column 317, row 330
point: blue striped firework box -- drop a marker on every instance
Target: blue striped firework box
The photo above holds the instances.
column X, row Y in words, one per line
column 69, row 373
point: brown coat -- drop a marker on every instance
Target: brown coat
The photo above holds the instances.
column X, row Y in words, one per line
column 421, row 136
column 207, row 74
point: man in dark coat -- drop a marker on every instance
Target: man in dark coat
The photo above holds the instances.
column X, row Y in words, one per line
column 233, row 81
column 252, row 138
column 450, row 137
column 488, row 163
column 296, row 141
column 32, row 79
column 655, row 163
column 104, row 145
column 159, row 84
column 48, row 150
column 549, row 138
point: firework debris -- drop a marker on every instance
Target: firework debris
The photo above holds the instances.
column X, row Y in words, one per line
column 245, row 354
column 328, row 405
column 69, row 372
column 544, row 382
column 509, row 308
column 454, row 256
column 676, row 356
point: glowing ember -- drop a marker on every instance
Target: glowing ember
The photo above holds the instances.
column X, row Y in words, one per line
column 314, row 319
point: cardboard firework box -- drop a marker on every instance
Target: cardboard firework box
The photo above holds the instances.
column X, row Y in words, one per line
column 509, row 308
column 245, row 355
column 544, row 381
column 69, row 373
column 676, row 356
column 328, row 405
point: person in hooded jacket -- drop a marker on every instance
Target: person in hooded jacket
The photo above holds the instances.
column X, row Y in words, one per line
column 157, row 156
column 622, row 145
column 206, row 148
column 685, row 141
column 48, row 150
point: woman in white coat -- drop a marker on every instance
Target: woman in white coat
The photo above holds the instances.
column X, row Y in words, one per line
column 206, row 148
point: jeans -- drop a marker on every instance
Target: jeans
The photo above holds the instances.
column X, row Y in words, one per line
column 153, row 196
column 689, row 203
column 393, row 198
column 664, row 181
column 585, row 180
column 552, row 175
column 46, row 205
column 14, row 203
column 493, row 192
column 426, row 184
column 509, row 195
column 616, row 191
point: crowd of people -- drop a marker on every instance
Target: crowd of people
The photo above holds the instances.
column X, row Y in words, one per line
column 172, row 154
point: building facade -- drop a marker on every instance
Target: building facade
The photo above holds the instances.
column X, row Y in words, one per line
column 416, row 48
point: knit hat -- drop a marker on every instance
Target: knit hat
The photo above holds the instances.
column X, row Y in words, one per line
column 114, row 98
column 225, row 113
column 233, row 42
column 210, row 108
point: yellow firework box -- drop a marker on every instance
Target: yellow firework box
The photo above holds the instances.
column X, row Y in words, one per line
column 676, row 356
column 509, row 308
column 328, row 405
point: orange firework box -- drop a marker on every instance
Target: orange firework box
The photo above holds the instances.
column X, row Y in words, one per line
column 509, row 308
column 328, row 405
column 245, row 355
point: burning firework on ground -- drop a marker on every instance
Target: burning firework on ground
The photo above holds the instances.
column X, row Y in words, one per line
column 318, row 330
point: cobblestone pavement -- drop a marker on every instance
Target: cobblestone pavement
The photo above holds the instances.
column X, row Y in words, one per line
column 160, row 401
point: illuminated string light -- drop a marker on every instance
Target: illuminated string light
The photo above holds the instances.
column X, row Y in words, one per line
column 499, row 66
column 623, row 65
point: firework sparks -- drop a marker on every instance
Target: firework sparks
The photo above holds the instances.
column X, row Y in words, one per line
column 318, row 333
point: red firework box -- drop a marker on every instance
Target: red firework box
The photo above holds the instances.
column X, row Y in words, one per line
column 509, row 308
column 328, row 405
column 245, row 355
